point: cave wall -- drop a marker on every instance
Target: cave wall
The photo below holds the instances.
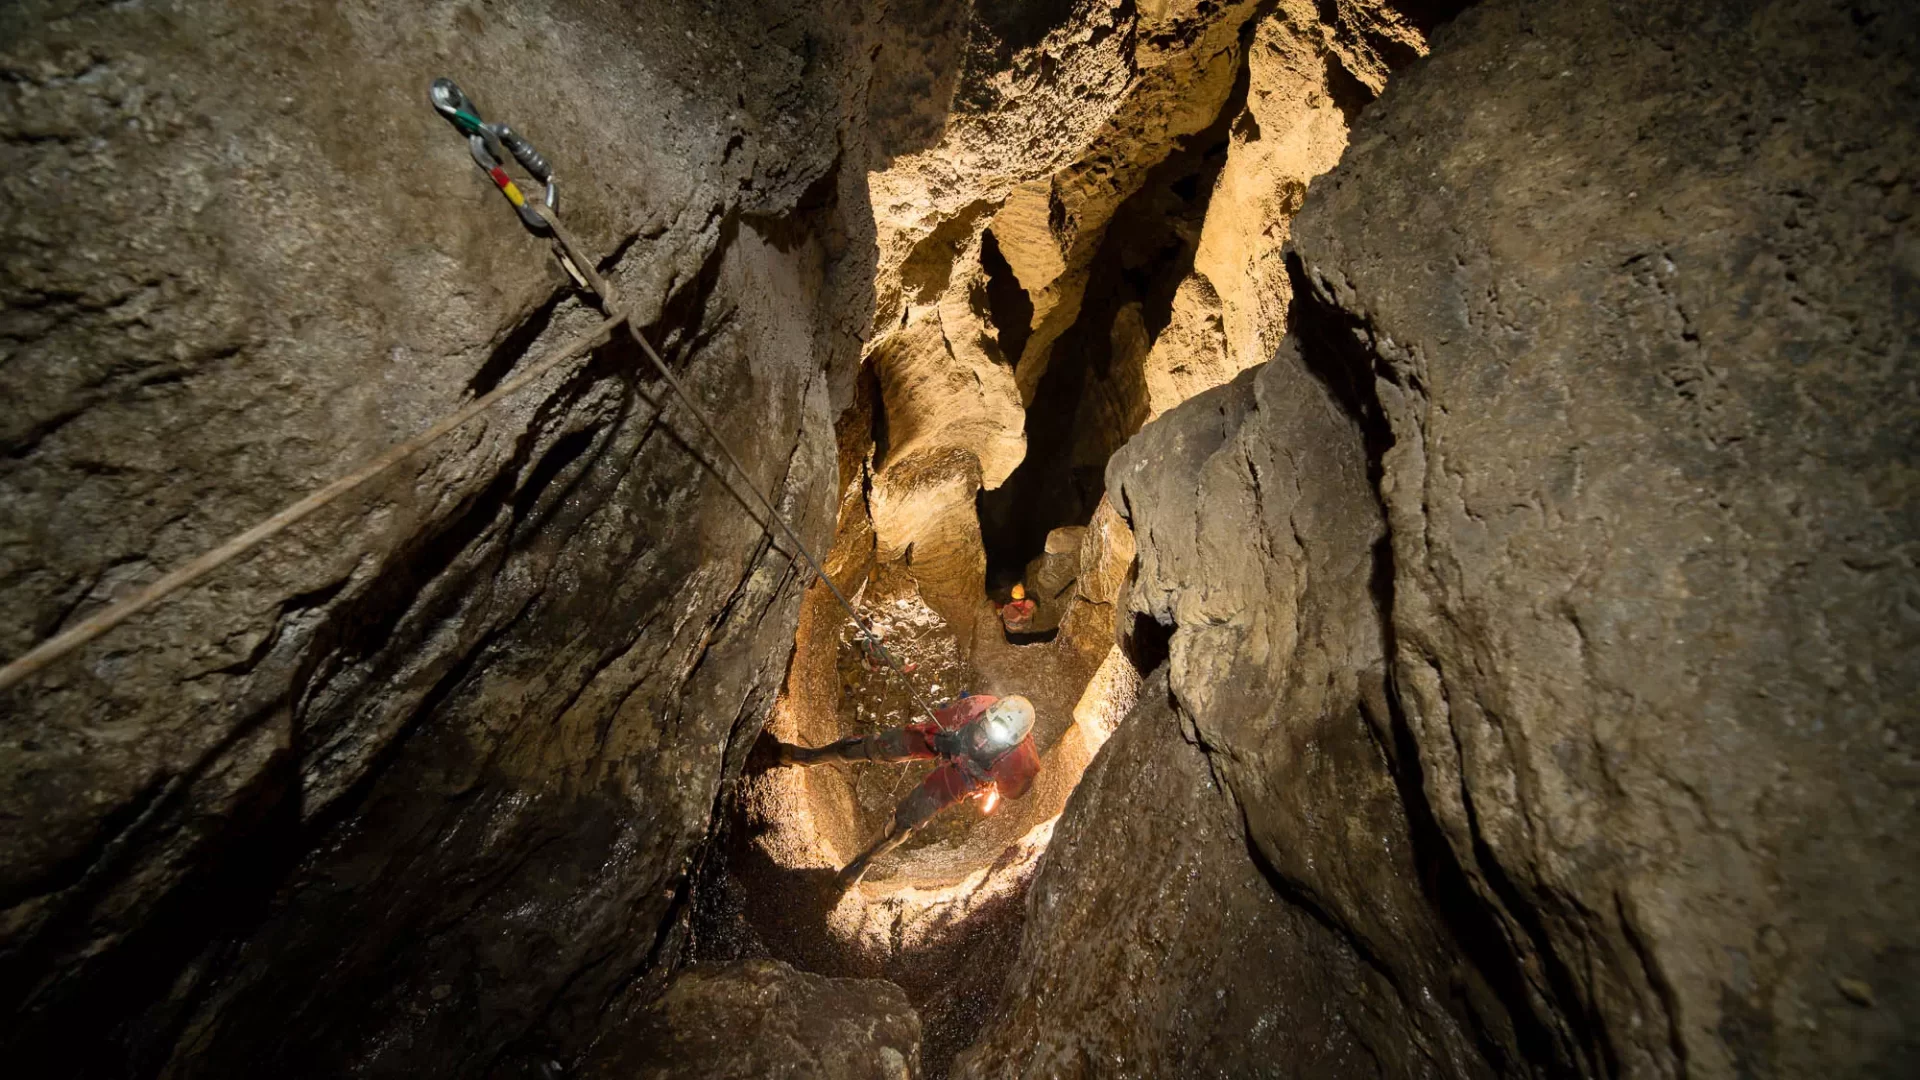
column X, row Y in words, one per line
column 1198, row 948
column 1544, row 608
column 759, row 1018
column 1059, row 113
column 1640, row 332
column 1256, row 530
column 1537, row 694
column 1054, row 206
column 413, row 789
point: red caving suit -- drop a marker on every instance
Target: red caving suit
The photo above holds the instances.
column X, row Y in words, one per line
column 958, row 777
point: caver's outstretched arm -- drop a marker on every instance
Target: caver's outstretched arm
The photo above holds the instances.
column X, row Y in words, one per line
column 915, row 742
column 986, row 744
column 899, row 744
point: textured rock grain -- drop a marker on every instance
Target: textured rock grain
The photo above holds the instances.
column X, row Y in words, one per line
column 413, row 790
column 987, row 237
column 1196, row 968
column 1632, row 291
column 1256, row 529
column 1308, row 73
column 1545, row 609
column 762, row 1018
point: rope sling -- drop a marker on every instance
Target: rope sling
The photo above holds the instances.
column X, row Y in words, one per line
column 490, row 146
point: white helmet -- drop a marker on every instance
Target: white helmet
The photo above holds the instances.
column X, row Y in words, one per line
column 1007, row 721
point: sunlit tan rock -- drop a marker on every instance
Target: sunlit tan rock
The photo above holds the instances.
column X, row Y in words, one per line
column 1106, row 554
column 1302, row 79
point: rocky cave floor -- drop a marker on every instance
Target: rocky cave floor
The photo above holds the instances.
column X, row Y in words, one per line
column 941, row 915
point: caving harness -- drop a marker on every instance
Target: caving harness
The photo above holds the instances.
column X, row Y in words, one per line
column 982, row 742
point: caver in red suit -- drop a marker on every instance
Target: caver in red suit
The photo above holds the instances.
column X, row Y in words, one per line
column 985, row 746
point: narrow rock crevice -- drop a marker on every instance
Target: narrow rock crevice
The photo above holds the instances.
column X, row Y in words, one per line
column 1517, row 1038
column 1454, row 458
column 1092, row 397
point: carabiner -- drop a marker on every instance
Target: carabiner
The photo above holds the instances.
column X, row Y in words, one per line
column 490, row 145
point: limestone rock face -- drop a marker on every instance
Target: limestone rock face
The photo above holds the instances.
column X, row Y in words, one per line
column 1106, row 556
column 1543, row 609
column 1023, row 241
column 1237, row 863
column 1187, row 55
column 1193, row 967
column 1524, row 557
column 412, row 790
column 986, row 237
column 923, row 517
column 1051, row 575
column 1632, row 292
column 1275, row 661
column 1307, row 76
column 762, row 1018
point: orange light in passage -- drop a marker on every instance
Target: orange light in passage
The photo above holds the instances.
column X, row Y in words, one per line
column 992, row 800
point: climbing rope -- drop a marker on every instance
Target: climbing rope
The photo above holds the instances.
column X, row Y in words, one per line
column 114, row 614
column 486, row 143
column 567, row 248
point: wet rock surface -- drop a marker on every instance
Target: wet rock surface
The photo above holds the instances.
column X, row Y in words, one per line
column 763, row 1018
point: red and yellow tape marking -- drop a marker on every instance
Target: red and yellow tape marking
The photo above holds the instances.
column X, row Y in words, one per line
column 505, row 184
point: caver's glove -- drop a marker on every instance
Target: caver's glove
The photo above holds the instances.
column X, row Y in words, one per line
column 950, row 743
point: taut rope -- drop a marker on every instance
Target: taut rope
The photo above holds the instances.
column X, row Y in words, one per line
column 114, row 614
column 485, row 140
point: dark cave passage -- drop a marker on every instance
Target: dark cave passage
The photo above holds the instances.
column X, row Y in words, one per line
column 1008, row 302
column 1090, row 401
column 940, row 916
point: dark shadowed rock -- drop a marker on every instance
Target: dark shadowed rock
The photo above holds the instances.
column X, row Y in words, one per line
column 1594, row 748
column 412, row 790
column 1155, row 947
column 1234, row 888
column 762, row 1018
column 1633, row 289
column 1538, row 626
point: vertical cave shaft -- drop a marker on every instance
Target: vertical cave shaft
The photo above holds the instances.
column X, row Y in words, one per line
column 1440, row 472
